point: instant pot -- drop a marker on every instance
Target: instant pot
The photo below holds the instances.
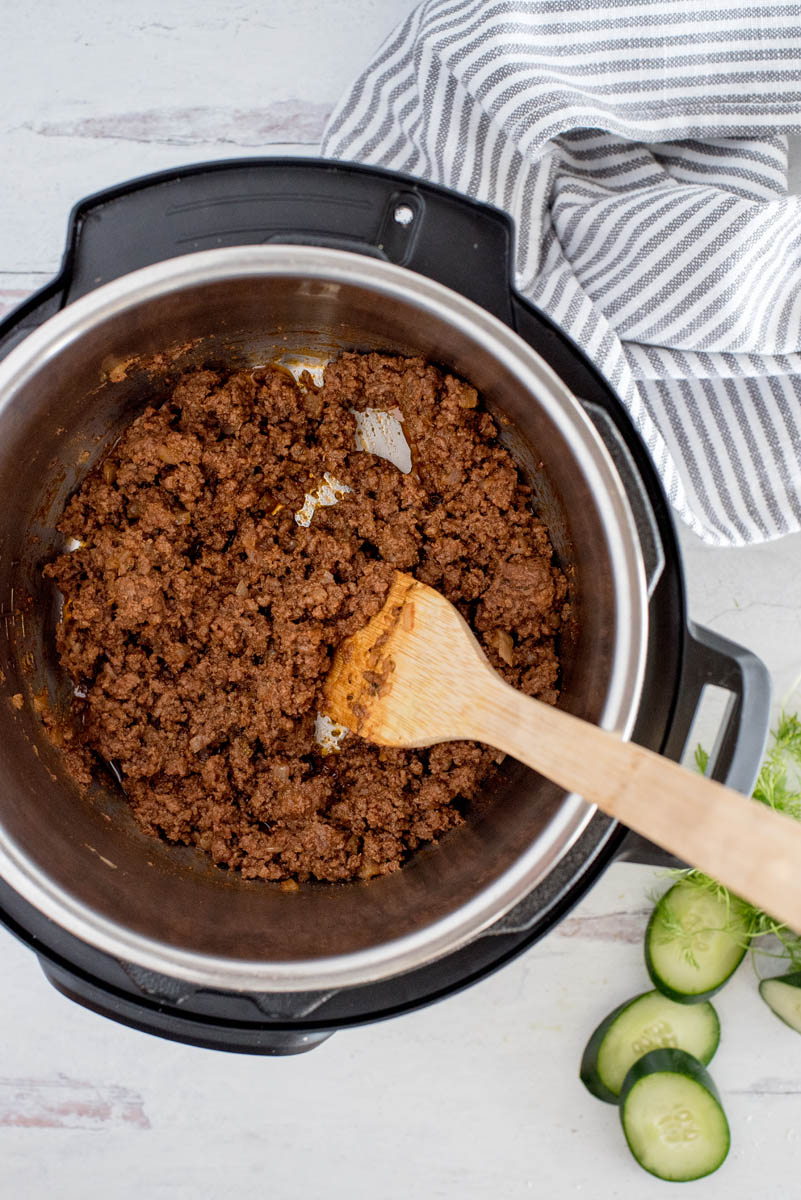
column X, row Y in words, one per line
column 255, row 260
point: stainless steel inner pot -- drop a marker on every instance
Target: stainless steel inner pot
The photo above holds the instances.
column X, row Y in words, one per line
column 64, row 397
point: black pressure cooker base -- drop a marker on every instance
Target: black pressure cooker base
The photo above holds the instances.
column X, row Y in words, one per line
column 469, row 247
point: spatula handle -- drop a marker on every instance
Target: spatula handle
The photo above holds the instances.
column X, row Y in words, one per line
column 753, row 850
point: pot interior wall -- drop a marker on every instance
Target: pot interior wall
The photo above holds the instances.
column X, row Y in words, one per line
column 88, row 847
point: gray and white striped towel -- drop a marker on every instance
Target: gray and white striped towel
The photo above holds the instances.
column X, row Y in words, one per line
column 640, row 146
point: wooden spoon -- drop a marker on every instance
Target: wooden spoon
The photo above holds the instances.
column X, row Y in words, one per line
column 415, row 675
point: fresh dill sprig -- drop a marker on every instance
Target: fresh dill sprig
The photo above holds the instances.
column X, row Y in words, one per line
column 673, row 929
column 779, row 782
column 741, row 920
column 779, row 787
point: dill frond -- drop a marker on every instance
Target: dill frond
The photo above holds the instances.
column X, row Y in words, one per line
column 779, row 787
column 701, row 758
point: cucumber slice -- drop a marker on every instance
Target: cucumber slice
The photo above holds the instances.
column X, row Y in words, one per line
column 783, row 996
column 648, row 1022
column 672, row 1116
column 694, row 942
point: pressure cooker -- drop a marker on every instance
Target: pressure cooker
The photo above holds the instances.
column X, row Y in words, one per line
column 267, row 260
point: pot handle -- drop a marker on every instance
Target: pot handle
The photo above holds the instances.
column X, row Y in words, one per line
column 167, row 1021
column 711, row 659
column 307, row 201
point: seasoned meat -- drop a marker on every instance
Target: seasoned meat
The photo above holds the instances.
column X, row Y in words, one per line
column 200, row 618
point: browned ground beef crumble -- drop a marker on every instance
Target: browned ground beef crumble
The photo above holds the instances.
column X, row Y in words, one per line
column 200, row 619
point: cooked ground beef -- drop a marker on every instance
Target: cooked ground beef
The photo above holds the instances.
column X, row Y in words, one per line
column 200, row 618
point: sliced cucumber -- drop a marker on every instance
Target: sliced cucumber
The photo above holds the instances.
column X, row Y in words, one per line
column 694, row 942
column 648, row 1022
column 672, row 1116
column 783, row 996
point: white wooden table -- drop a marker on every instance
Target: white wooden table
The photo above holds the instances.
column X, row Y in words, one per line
column 477, row 1096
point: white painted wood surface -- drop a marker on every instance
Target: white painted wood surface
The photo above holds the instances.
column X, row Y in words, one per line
column 477, row 1097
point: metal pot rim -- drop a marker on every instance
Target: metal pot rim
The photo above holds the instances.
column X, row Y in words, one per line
column 446, row 934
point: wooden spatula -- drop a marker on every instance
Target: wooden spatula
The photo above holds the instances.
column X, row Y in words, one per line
column 415, row 675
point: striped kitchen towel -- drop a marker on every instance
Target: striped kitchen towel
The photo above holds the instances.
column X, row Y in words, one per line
column 640, row 146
